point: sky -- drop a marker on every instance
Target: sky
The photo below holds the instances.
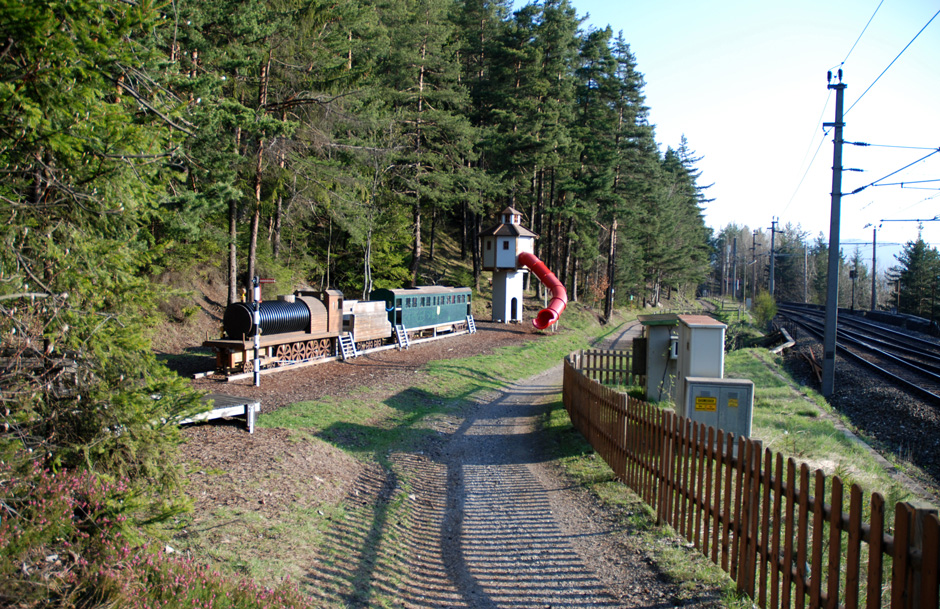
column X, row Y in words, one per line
column 745, row 82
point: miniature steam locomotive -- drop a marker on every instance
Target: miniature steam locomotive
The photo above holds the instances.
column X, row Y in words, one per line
column 308, row 325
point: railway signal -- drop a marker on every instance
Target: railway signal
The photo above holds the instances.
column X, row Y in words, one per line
column 256, row 319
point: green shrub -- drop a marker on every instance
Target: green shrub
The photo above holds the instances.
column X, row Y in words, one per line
column 764, row 309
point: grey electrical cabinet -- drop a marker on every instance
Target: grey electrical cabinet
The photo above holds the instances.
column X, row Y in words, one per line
column 726, row 404
column 659, row 342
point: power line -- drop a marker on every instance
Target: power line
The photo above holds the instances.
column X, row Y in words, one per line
column 892, row 62
column 863, row 32
column 810, row 165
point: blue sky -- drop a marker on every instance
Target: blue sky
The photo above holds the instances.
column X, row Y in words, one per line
column 746, row 83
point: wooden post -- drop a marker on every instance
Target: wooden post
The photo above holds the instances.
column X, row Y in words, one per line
column 911, row 519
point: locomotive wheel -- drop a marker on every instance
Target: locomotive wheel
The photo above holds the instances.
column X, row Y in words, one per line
column 310, row 350
column 322, row 348
column 283, row 354
column 297, row 352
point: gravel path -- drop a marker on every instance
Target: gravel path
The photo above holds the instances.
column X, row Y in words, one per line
column 503, row 516
column 513, row 532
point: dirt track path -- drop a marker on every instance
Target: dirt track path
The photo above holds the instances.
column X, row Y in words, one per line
column 511, row 532
column 478, row 518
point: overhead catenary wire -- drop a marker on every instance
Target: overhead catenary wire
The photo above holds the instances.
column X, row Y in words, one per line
column 909, row 182
column 890, row 146
column 892, row 62
column 875, row 183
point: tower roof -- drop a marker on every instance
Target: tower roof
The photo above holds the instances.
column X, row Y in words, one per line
column 508, row 230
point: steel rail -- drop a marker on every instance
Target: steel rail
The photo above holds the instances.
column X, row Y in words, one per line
column 814, row 328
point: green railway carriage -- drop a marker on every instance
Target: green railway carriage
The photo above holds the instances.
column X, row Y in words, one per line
column 431, row 308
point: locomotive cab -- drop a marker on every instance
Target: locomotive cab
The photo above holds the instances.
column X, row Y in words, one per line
column 331, row 309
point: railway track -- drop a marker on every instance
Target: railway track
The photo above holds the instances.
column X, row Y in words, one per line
column 886, row 384
column 906, row 361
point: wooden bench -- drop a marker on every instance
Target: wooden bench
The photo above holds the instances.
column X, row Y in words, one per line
column 228, row 406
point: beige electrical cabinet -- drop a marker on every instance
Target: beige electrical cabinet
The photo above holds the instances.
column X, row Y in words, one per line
column 701, row 351
column 726, row 404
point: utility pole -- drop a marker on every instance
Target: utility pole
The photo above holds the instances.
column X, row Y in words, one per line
column 805, row 274
column 734, row 269
column 754, row 262
column 832, row 287
column 773, row 233
column 874, row 269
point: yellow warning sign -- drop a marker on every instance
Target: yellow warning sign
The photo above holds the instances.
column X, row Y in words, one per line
column 732, row 402
column 706, row 404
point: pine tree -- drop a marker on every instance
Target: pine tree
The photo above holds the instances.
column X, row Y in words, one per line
column 87, row 125
column 635, row 171
column 789, row 251
column 420, row 80
column 918, row 271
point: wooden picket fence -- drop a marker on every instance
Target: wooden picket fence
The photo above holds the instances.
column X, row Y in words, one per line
column 760, row 516
column 607, row 366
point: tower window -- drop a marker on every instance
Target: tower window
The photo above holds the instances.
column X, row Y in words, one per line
column 505, row 245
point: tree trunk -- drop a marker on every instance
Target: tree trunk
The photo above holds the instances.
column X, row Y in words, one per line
column 475, row 249
column 279, row 209
column 367, row 266
column 433, row 230
column 256, row 216
column 233, row 237
column 566, row 270
column 464, row 233
column 611, row 270
column 232, row 252
column 329, row 252
column 574, row 280
column 416, row 246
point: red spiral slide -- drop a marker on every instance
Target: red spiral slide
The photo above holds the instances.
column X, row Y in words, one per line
column 550, row 314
